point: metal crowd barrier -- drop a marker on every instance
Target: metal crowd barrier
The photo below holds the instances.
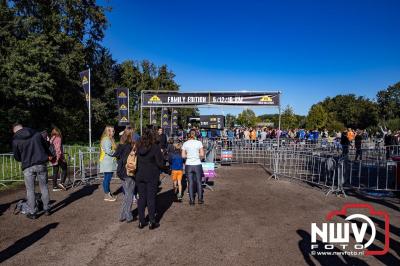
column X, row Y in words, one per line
column 10, row 169
column 325, row 167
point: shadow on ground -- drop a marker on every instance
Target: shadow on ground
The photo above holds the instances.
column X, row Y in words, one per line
column 25, row 242
column 4, row 207
column 74, row 196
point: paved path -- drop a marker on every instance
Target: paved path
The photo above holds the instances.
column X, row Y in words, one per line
column 247, row 220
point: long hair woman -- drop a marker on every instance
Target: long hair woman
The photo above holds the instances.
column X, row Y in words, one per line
column 149, row 163
column 124, row 149
column 107, row 163
column 58, row 161
column 193, row 151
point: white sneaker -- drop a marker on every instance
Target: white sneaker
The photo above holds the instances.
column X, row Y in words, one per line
column 56, row 189
column 109, row 197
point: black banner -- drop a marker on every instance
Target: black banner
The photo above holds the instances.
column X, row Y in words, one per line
column 123, row 106
column 165, row 120
column 216, row 98
column 85, row 84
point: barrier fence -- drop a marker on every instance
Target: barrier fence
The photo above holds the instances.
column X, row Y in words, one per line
column 319, row 164
column 78, row 158
column 375, row 169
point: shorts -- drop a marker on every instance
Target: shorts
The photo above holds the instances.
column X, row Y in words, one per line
column 176, row 175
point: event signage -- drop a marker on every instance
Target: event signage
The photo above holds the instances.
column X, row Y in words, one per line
column 212, row 121
column 123, row 106
column 165, row 120
column 174, row 119
column 210, row 98
column 85, row 84
column 153, row 117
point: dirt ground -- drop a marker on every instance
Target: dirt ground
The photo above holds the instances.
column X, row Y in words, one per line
column 247, row 220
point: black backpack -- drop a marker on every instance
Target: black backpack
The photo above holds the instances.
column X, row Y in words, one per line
column 52, row 150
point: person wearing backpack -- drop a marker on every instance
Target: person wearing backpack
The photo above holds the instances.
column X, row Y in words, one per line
column 58, row 161
column 126, row 168
column 107, row 162
column 32, row 150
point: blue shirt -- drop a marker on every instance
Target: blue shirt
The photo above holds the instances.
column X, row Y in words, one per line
column 176, row 162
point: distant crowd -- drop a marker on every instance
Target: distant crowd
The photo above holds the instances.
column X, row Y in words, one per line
column 300, row 134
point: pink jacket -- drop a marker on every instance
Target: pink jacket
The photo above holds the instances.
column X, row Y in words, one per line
column 56, row 141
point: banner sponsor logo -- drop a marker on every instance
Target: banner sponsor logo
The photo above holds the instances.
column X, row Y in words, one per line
column 266, row 98
column 122, row 94
column 155, row 99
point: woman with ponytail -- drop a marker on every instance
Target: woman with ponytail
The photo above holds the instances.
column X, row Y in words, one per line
column 193, row 151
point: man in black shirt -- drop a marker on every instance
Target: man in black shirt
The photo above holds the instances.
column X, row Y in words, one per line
column 162, row 138
column 344, row 141
column 358, row 143
column 32, row 150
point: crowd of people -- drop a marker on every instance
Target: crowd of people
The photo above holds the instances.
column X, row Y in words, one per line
column 140, row 160
column 301, row 134
column 137, row 161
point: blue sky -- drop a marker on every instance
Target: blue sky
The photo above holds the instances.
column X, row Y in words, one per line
column 307, row 49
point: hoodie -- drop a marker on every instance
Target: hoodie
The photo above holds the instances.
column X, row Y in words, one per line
column 30, row 148
column 149, row 163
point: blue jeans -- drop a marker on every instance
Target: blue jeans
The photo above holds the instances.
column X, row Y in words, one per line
column 30, row 174
column 106, row 181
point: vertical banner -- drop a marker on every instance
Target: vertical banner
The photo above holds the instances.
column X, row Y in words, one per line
column 165, row 118
column 123, row 106
column 153, row 117
column 174, row 120
column 85, row 84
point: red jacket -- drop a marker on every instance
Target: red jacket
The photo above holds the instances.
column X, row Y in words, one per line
column 56, row 141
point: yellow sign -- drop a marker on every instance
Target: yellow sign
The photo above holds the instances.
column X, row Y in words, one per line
column 266, row 98
column 122, row 94
column 124, row 119
column 155, row 99
column 123, row 107
column 165, row 116
column 165, row 123
column 175, row 117
column 85, row 80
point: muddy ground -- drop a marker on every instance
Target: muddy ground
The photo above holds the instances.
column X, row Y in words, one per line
column 247, row 220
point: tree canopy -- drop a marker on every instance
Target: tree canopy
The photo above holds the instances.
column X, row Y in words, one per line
column 44, row 45
column 247, row 118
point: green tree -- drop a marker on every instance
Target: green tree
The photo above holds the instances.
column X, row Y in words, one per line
column 230, row 120
column 247, row 118
column 352, row 111
column 389, row 102
column 289, row 119
column 317, row 117
column 44, row 45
